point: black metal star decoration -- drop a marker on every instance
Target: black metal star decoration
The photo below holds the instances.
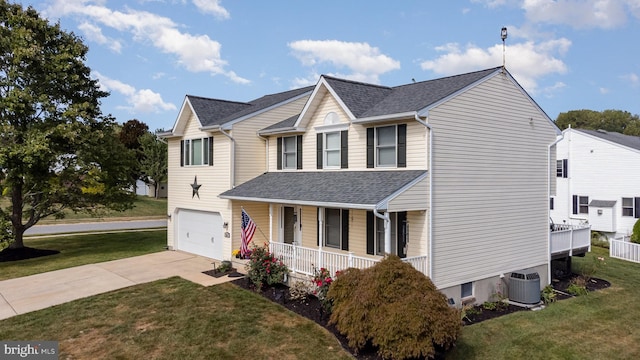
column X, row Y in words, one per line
column 195, row 186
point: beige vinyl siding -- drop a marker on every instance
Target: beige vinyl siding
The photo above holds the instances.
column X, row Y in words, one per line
column 490, row 181
column 250, row 149
column 309, row 226
column 259, row 213
column 213, row 179
column 415, row 198
column 418, row 233
column 326, row 105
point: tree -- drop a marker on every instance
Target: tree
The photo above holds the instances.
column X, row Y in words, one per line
column 56, row 148
column 609, row 120
column 154, row 162
column 130, row 134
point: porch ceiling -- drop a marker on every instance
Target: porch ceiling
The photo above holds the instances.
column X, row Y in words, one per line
column 346, row 189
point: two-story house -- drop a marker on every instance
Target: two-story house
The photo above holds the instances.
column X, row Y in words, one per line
column 213, row 146
column 452, row 174
column 597, row 181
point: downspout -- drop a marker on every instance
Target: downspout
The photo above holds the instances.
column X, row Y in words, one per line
column 387, row 229
column 430, row 169
column 549, row 165
column 233, row 157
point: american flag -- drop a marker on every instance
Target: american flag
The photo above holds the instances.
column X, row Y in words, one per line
column 246, row 233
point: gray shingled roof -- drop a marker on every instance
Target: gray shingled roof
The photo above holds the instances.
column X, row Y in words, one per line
column 366, row 100
column 363, row 188
column 603, row 203
column 286, row 123
column 218, row 112
column 624, row 140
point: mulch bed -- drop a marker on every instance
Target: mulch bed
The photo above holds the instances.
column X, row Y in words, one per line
column 24, row 254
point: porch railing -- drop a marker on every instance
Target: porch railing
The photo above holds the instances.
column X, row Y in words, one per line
column 305, row 260
column 620, row 249
column 567, row 238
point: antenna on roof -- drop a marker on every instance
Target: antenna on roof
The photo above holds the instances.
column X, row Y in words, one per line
column 503, row 36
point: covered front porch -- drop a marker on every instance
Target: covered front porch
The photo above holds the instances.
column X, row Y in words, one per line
column 337, row 220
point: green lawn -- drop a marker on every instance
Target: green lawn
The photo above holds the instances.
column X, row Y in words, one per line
column 84, row 249
column 601, row 325
column 175, row 319
column 144, row 207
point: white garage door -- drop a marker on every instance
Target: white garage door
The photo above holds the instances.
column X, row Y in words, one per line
column 201, row 233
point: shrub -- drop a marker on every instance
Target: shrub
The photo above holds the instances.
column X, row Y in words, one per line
column 577, row 287
column 599, row 240
column 635, row 236
column 322, row 280
column 300, row 291
column 265, row 269
column 395, row 308
column 548, row 294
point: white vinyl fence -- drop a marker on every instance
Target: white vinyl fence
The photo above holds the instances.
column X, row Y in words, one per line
column 624, row 250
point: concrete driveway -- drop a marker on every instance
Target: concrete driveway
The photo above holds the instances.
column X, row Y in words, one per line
column 35, row 292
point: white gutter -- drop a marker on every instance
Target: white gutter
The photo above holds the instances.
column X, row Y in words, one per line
column 233, row 157
column 430, row 170
column 549, row 165
column 387, row 229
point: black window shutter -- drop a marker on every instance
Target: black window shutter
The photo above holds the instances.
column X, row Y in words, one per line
column 299, row 152
column 402, row 145
column 345, row 230
column 551, row 203
column 565, row 168
column 636, row 208
column 211, row 151
column 181, row 152
column 279, row 150
column 319, row 150
column 575, row 204
column 370, row 147
column 187, row 152
column 344, row 149
column 371, row 232
column 401, row 232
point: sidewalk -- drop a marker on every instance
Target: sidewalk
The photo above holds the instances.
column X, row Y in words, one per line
column 35, row 292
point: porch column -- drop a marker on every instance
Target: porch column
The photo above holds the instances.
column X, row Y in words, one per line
column 387, row 234
column 320, row 235
column 270, row 222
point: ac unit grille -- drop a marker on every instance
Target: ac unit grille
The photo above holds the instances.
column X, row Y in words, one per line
column 524, row 286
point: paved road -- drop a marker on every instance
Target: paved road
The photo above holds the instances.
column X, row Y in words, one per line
column 95, row 226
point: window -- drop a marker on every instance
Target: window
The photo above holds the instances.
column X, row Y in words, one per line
column 631, row 207
column 195, row 152
column 561, row 168
column 551, row 201
column 580, row 204
column 336, row 228
column 466, row 290
column 332, row 147
column 289, row 152
column 386, row 146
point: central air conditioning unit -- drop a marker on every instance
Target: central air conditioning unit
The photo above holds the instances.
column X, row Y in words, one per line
column 524, row 286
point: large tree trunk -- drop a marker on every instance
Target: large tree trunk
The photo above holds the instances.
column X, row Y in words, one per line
column 16, row 216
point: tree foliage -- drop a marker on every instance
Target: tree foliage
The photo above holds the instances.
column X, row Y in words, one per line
column 395, row 308
column 610, row 120
column 57, row 150
column 154, row 162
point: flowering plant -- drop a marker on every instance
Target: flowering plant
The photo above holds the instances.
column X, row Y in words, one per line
column 322, row 280
column 236, row 253
column 264, row 268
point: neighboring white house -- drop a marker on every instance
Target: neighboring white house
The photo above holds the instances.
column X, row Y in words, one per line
column 598, row 181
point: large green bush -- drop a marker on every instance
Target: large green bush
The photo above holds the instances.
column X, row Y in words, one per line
column 264, row 268
column 395, row 308
column 635, row 236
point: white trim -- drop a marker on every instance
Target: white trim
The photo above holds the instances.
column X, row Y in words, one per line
column 388, row 117
column 332, row 127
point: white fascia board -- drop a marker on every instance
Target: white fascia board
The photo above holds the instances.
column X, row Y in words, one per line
column 282, row 131
column 384, row 204
column 382, row 118
column 186, row 105
column 301, row 202
column 323, row 82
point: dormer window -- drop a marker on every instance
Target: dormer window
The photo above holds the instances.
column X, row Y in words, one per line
column 332, row 143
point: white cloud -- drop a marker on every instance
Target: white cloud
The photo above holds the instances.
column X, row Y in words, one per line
column 94, row 33
column 364, row 62
column 212, row 7
column 196, row 53
column 632, row 78
column 527, row 61
column 604, row 90
column 140, row 101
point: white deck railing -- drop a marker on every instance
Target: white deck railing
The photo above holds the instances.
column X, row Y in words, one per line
column 624, row 250
column 566, row 238
column 306, row 260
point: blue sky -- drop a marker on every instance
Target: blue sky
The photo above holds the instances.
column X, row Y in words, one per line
column 149, row 54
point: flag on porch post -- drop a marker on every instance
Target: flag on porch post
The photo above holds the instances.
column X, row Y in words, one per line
column 246, row 233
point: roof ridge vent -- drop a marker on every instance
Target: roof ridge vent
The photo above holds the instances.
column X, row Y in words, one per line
column 603, row 131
